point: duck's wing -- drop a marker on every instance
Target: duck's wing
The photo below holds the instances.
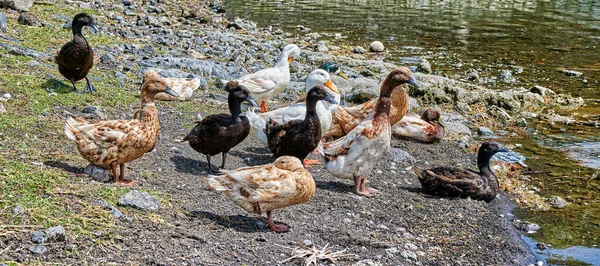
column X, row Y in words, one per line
column 261, row 183
column 412, row 126
column 276, row 132
column 211, row 125
column 104, row 134
column 456, row 176
column 342, row 145
column 257, row 84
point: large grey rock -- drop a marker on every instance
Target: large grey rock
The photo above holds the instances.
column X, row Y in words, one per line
column 18, row 50
column 2, row 22
column 29, row 19
column 364, row 89
column 97, row 173
column 20, row 5
column 140, row 200
column 38, row 250
column 400, row 156
column 52, row 234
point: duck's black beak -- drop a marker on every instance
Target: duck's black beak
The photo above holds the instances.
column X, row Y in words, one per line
column 171, row 92
column 330, row 99
column 413, row 81
column 95, row 27
column 500, row 149
column 251, row 101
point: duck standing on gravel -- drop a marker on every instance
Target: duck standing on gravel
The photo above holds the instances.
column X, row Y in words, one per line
column 108, row 144
column 269, row 82
column 265, row 188
column 347, row 118
column 76, row 58
column 354, row 155
column 297, row 110
column 298, row 137
column 459, row 182
column 219, row 133
column 429, row 128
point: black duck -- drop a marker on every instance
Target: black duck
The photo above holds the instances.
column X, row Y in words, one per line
column 299, row 137
column 459, row 182
column 219, row 133
column 76, row 57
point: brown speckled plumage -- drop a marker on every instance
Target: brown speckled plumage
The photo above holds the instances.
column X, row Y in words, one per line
column 264, row 188
column 108, row 144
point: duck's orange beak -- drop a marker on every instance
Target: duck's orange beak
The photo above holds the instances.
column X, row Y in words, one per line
column 290, row 59
column 331, row 86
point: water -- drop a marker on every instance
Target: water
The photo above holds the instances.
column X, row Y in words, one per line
column 532, row 39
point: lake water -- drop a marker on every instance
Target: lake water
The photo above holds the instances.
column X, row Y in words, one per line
column 532, row 39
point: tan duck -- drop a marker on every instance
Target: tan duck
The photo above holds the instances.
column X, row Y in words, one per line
column 459, row 182
column 428, row 128
column 354, row 155
column 347, row 118
column 265, row 188
column 108, row 144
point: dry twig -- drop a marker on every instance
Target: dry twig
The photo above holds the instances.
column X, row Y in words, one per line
column 313, row 254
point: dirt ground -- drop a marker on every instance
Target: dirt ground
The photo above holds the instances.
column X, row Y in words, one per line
column 401, row 226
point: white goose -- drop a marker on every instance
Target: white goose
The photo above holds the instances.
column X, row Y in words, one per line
column 297, row 110
column 266, row 83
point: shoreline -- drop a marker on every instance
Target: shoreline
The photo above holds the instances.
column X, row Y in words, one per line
column 371, row 234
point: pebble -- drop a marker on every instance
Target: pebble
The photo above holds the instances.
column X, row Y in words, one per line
column 506, row 76
column 38, row 250
column 557, row 202
column 424, row 66
column 359, row 50
column 391, row 252
column 93, row 112
column 410, row 246
column 97, row 173
column 376, row 46
column 29, row 19
column 407, row 254
column 571, row 72
column 367, row 262
column 485, row 132
column 398, row 155
column 107, row 58
column 7, row 96
column 126, row 2
column 52, row 234
column 346, row 220
column 18, row 210
column 2, row 22
column 140, row 200
column 176, row 149
column 542, row 90
column 307, row 243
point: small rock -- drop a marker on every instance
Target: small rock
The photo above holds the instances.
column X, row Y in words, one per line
column 29, row 19
column 2, row 22
column 93, row 112
column 38, row 237
column 376, row 46
column 391, row 252
column 410, row 246
column 97, row 173
column 541, row 246
column 398, row 155
column 56, row 234
column 571, row 72
column 126, row 2
column 34, row 63
column 38, row 250
column 307, row 243
column 322, row 47
column 528, row 227
column 18, row 210
column 7, row 96
column 2, row 108
column 107, row 58
column 140, row 200
column 383, row 227
column 485, row 132
column 346, row 220
column 542, row 90
column 472, row 74
column 407, row 254
column 424, row 66
column 367, row 262
column 506, row 76
column 20, row 5
column 557, row 202
column 176, row 149
column 359, row 50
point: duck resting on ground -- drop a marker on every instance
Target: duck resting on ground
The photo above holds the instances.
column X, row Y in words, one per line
column 76, row 58
column 219, row 133
column 265, row 188
column 429, row 128
column 298, row 138
column 459, row 182
column 354, row 155
column 297, row 110
column 266, row 83
column 108, row 144
column 347, row 118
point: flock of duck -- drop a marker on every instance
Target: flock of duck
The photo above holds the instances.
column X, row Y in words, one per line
column 351, row 140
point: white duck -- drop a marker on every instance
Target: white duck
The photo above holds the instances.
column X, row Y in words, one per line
column 297, row 110
column 266, row 83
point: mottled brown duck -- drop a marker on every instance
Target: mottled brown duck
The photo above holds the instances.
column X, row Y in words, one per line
column 428, row 128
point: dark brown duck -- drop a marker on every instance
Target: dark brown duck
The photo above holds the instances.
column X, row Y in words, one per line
column 219, row 133
column 76, row 57
column 459, row 182
column 299, row 137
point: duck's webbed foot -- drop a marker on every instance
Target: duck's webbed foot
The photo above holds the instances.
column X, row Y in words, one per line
column 278, row 228
column 361, row 189
column 89, row 87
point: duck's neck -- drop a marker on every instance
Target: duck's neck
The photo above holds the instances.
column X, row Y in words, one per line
column 282, row 61
column 483, row 162
column 399, row 99
column 311, row 107
column 146, row 97
column 382, row 108
column 235, row 106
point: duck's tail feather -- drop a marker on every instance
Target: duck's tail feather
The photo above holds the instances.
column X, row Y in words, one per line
column 219, row 182
column 418, row 171
column 256, row 121
column 71, row 128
